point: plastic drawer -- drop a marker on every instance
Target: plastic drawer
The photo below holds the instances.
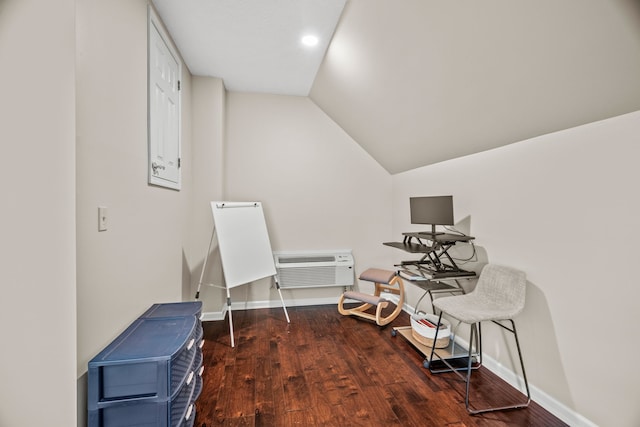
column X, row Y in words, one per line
column 174, row 309
column 143, row 412
column 151, row 358
column 190, row 417
column 198, row 387
column 188, row 358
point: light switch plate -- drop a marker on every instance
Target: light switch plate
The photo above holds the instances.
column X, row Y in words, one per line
column 102, row 218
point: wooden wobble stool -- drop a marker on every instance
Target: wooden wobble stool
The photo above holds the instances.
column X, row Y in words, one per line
column 385, row 282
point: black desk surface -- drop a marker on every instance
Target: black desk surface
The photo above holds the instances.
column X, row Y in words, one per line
column 414, row 248
column 438, row 244
column 439, row 237
column 420, row 248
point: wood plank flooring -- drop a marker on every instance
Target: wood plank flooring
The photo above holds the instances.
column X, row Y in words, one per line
column 324, row 369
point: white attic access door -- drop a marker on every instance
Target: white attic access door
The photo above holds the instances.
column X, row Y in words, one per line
column 164, row 107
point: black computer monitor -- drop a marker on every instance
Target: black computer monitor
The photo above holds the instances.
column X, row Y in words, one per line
column 431, row 210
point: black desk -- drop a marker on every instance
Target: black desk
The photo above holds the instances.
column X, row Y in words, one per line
column 436, row 269
column 435, row 272
column 438, row 237
column 436, row 263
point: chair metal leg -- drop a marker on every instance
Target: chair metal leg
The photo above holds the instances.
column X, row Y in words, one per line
column 433, row 347
column 474, row 332
column 478, row 337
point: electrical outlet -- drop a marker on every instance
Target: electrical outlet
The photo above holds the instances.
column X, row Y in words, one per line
column 102, row 218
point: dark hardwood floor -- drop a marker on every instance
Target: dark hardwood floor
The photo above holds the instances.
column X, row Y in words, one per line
column 324, row 369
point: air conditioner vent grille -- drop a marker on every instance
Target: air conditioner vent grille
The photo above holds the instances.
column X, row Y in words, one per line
column 308, row 276
column 301, row 259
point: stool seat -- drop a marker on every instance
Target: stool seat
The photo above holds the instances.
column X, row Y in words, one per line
column 377, row 275
column 371, row 299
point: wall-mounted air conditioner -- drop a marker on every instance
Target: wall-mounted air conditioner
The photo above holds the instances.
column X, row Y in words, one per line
column 307, row 269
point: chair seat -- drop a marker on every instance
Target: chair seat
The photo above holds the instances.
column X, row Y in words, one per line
column 472, row 308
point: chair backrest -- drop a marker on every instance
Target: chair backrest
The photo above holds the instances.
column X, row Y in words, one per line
column 503, row 286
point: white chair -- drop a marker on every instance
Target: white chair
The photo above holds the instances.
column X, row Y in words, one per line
column 498, row 297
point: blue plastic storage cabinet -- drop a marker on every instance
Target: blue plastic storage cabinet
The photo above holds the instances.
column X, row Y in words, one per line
column 174, row 309
column 150, row 375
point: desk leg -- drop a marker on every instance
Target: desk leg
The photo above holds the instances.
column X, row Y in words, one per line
column 419, row 301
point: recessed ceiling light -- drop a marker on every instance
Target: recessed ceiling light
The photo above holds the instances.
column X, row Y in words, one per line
column 310, row 40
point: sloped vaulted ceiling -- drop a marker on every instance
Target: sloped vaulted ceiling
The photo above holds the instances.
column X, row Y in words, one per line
column 417, row 82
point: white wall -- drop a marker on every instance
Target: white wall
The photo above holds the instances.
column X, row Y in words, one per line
column 37, row 247
column 208, row 106
column 510, row 70
column 563, row 208
column 319, row 189
column 140, row 259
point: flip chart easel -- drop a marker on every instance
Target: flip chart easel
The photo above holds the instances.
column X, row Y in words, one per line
column 244, row 246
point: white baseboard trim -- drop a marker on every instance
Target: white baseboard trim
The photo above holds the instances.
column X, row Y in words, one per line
column 211, row 316
column 253, row 305
column 543, row 399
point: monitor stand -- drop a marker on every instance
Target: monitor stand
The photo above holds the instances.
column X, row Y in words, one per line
column 433, row 231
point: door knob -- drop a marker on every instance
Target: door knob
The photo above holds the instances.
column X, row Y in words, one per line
column 155, row 166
